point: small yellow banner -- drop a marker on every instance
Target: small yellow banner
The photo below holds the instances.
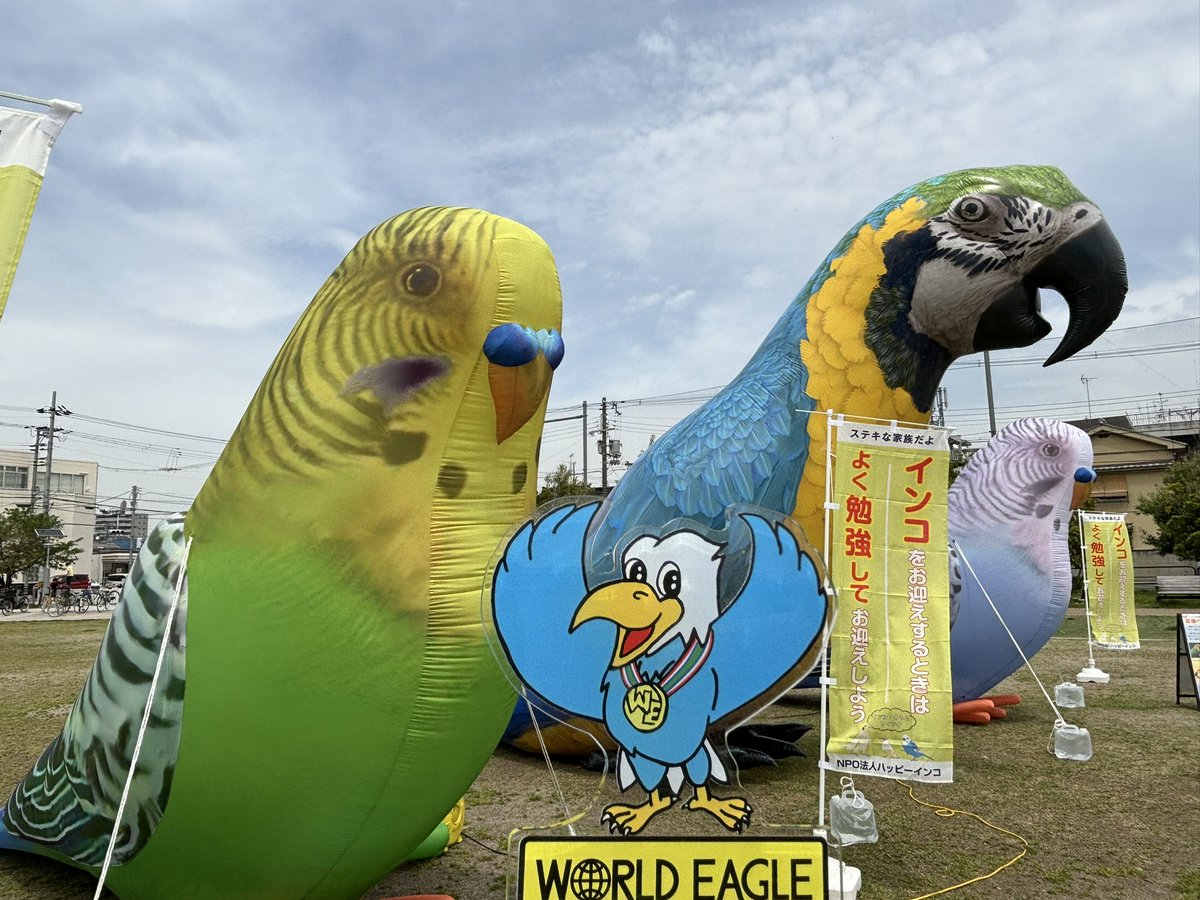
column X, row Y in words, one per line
column 1108, row 567
column 779, row 868
column 891, row 709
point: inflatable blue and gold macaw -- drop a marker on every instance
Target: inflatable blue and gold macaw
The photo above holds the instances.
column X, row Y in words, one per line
column 948, row 267
column 952, row 266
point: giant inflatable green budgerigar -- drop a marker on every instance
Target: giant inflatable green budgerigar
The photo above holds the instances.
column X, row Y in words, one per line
column 328, row 693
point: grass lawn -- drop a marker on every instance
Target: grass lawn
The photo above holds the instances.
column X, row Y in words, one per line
column 1123, row 825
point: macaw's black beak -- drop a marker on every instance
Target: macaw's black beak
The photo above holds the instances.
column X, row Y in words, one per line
column 1088, row 270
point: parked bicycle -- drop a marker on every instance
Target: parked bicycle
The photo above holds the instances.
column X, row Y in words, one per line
column 81, row 601
column 104, row 598
column 15, row 601
column 68, row 601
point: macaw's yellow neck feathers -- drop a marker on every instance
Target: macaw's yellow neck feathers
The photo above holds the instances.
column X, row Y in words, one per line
column 843, row 374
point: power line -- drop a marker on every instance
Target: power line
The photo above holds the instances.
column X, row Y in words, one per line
column 114, row 423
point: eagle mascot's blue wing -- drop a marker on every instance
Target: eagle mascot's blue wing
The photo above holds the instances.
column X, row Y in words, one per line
column 771, row 634
column 536, row 589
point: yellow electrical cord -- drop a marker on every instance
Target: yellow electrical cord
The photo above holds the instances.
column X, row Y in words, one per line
column 947, row 812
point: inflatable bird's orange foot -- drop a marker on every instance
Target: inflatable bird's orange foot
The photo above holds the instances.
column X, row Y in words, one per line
column 985, row 709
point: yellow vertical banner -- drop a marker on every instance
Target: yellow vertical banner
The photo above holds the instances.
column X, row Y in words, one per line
column 1108, row 568
column 25, row 142
column 891, row 707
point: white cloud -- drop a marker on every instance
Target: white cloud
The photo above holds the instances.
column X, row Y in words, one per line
column 689, row 164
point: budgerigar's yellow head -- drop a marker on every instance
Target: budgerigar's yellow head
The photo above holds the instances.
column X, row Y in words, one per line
column 440, row 322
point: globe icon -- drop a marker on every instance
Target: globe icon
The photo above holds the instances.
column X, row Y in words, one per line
column 590, row 880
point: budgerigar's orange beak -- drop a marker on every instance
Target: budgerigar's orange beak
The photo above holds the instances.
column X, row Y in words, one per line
column 517, row 393
column 1085, row 478
column 521, row 362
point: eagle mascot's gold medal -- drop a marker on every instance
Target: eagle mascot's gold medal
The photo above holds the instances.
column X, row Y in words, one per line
column 646, row 706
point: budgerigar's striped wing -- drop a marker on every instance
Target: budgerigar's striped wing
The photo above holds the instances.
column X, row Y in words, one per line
column 65, row 806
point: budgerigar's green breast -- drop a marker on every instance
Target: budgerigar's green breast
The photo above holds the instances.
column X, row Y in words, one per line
column 340, row 694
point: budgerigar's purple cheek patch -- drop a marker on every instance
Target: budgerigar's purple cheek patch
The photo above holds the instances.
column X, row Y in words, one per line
column 395, row 380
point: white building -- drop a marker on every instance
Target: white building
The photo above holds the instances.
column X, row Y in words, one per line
column 119, row 533
column 72, row 490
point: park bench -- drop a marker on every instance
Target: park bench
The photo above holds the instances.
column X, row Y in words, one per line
column 1177, row 586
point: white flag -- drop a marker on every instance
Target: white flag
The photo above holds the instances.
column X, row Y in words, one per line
column 25, row 142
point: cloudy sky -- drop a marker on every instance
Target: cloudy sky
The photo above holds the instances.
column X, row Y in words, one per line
column 689, row 163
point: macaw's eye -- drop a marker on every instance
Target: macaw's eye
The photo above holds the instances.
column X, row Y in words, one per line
column 1051, row 450
column 635, row 570
column 421, row 279
column 970, row 209
column 669, row 581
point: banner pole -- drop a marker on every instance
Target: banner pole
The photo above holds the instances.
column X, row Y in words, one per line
column 75, row 107
column 824, row 679
column 1089, row 672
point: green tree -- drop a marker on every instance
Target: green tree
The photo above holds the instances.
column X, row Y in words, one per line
column 961, row 452
column 1175, row 508
column 562, row 482
column 21, row 548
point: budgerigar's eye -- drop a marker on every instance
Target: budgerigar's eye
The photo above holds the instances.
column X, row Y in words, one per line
column 421, row 279
column 670, row 581
column 1051, row 450
column 635, row 570
column 970, row 209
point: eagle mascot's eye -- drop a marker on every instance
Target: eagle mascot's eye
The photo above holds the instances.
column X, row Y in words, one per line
column 669, row 581
column 635, row 570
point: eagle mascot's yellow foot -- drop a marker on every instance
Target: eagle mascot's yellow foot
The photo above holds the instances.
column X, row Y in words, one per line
column 627, row 820
column 733, row 813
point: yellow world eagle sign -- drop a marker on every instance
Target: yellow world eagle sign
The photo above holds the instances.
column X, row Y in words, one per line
column 781, row 868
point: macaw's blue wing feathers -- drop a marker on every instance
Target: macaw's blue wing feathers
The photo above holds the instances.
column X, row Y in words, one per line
column 65, row 806
column 536, row 589
column 770, row 635
column 746, row 445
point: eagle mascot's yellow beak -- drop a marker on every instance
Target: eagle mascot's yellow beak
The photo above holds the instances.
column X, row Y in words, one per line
column 641, row 616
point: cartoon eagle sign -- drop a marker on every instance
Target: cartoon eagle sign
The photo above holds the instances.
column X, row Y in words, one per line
column 651, row 655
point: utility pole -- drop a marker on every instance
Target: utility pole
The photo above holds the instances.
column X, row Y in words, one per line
column 987, row 376
column 54, row 410
column 604, row 444
column 585, row 443
column 939, row 407
column 132, row 513
column 50, row 450
column 37, row 461
column 1088, row 388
